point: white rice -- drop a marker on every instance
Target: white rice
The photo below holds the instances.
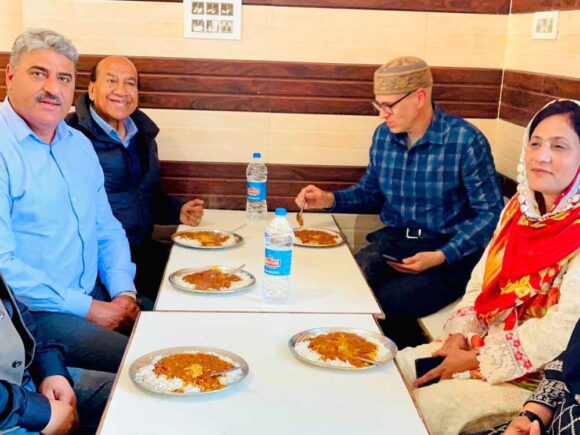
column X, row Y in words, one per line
column 245, row 281
column 303, row 350
column 162, row 384
column 230, row 241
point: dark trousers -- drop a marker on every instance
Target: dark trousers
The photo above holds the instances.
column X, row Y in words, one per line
column 150, row 259
column 405, row 297
column 88, row 345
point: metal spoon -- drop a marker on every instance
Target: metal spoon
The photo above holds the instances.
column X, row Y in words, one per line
column 236, row 270
column 368, row 361
column 299, row 216
column 223, row 372
column 238, row 228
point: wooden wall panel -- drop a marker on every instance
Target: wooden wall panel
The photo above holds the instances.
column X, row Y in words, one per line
column 289, row 87
column 525, row 6
column 463, row 6
column 223, row 185
column 524, row 93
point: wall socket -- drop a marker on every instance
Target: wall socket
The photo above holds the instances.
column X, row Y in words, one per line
column 545, row 25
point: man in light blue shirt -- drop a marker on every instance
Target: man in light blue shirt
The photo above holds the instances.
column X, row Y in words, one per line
column 61, row 249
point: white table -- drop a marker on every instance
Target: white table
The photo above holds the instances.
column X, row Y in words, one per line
column 281, row 394
column 325, row 280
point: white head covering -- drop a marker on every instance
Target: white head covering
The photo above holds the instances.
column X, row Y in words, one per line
column 528, row 203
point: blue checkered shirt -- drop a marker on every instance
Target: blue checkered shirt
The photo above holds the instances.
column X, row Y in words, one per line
column 445, row 183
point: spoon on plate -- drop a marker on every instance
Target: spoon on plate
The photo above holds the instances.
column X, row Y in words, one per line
column 223, row 372
column 300, row 215
column 236, row 270
column 238, row 228
column 368, row 361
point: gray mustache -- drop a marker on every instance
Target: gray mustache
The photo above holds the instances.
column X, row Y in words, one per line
column 49, row 98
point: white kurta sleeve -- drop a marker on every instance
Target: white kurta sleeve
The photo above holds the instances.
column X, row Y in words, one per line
column 508, row 355
column 464, row 320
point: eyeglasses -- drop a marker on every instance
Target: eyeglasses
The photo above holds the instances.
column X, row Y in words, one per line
column 388, row 108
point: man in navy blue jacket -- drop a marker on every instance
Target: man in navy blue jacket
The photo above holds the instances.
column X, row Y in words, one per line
column 124, row 138
column 36, row 393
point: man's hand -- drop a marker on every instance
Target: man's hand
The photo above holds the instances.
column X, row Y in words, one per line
column 314, row 197
column 191, row 212
column 106, row 314
column 457, row 361
column 58, row 388
column 63, row 419
column 129, row 305
column 419, row 262
column 453, row 342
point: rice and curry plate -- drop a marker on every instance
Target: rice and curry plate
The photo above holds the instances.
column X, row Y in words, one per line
column 188, row 372
column 205, row 238
column 312, row 237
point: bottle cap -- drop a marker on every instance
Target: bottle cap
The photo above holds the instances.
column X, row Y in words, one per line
column 257, row 155
column 281, row 212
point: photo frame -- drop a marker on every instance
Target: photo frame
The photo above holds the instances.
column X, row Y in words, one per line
column 212, row 19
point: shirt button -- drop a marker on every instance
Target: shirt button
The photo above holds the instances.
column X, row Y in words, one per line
column 1, row 315
column 16, row 364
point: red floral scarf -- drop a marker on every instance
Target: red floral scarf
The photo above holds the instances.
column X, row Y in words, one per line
column 525, row 264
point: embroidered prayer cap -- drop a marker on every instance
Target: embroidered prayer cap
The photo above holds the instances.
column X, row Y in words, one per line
column 402, row 75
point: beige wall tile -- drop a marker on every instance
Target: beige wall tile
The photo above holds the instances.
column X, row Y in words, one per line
column 507, row 147
column 210, row 136
column 277, row 33
column 466, row 39
column 335, row 35
column 10, row 22
column 282, row 138
column 559, row 57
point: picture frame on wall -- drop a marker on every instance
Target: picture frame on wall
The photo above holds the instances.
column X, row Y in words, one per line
column 212, row 19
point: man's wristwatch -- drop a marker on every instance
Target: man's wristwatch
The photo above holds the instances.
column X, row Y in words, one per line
column 132, row 295
column 532, row 416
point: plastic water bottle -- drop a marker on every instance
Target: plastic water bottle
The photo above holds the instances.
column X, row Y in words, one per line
column 279, row 238
column 256, row 174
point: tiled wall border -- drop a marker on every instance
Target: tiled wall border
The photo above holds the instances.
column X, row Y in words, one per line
column 462, row 6
column 289, row 87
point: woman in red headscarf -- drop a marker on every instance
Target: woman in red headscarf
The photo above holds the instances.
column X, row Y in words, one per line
column 523, row 299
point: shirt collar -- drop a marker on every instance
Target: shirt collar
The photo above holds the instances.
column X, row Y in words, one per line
column 435, row 134
column 21, row 129
column 437, row 130
column 111, row 132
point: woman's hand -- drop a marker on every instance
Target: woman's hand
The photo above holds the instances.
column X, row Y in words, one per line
column 522, row 426
column 456, row 361
column 453, row 342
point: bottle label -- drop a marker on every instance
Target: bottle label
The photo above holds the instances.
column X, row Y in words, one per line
column 257, row 190
column 278, row 263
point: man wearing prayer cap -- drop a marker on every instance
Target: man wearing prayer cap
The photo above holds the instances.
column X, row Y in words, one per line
column 432, row 178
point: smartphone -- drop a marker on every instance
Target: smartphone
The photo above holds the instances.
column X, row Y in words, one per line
column 424, row 365
column 393, row 259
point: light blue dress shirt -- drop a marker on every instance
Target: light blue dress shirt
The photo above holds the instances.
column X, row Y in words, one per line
column 111, row 132
column 56, row 226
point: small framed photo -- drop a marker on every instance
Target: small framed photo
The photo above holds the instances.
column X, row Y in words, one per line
column 227, row 9
column 212, row 26
column 226, row 26
column 545, row 25
column 212, row 8
column 212, row 19
column 197, row 26
column 198, row 8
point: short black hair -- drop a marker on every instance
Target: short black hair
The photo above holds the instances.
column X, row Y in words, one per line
column 93, row 76
column 562, row 107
